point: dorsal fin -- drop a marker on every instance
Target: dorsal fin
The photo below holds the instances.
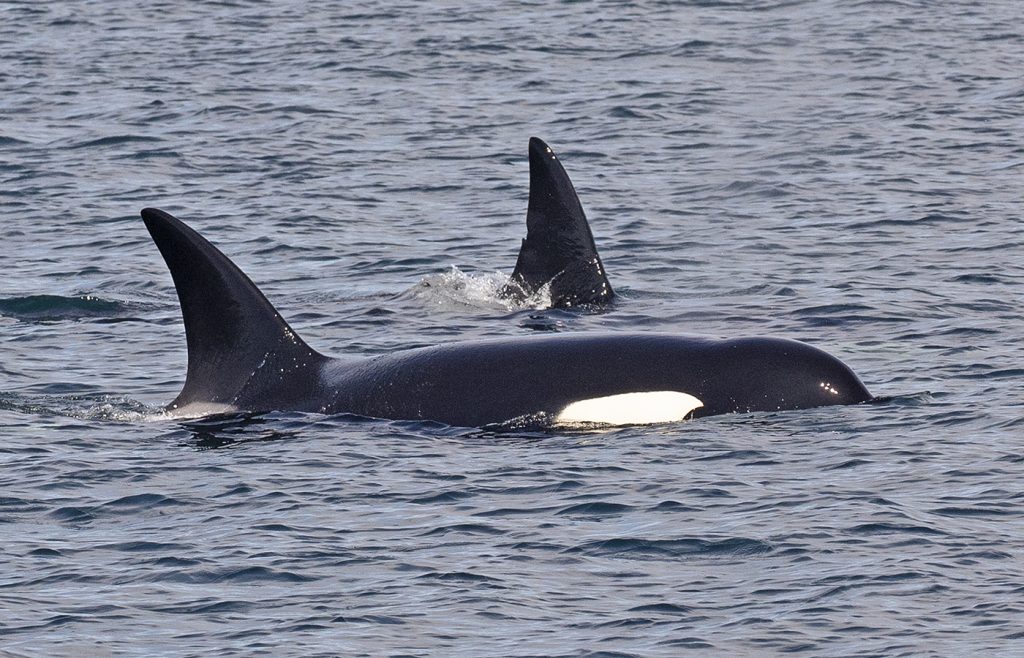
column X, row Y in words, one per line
column 559, row 247
column 239, row 347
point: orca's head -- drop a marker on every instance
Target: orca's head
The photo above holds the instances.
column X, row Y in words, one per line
column 776, row 374
column 810, row 377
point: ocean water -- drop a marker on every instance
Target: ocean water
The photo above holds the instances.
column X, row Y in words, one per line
column 844, row 173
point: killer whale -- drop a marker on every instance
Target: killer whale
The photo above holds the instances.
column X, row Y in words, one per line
column 558, row 250
column 244, row 357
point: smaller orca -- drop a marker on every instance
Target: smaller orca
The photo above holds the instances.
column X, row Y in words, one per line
column 559, row 248
column 243, row 357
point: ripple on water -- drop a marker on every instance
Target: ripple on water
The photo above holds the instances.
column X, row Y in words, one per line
column 632, row 548
column 814, row 170
column 55, row 308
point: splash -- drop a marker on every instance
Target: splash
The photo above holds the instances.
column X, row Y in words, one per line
column 83, row 407
column 456, row 288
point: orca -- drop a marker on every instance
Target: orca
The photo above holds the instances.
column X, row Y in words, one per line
column 244, row 357
column 559, row 249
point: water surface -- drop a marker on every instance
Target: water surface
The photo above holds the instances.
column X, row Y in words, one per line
column 848, row 174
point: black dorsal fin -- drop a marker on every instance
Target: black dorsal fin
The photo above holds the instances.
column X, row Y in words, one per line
column 559, row 247
column 240, row 350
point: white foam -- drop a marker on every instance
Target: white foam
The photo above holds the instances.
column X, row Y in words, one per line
column 479, row 290
column 631, row 409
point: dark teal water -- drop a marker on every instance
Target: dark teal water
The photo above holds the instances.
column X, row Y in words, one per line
column 844, row 173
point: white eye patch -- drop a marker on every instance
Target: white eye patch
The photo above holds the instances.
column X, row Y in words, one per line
column 631, row 409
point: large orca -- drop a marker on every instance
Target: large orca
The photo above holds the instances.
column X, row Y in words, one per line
column 242, row 356
column 559, row 249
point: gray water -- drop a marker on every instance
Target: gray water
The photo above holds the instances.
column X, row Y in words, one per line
column 844, row 173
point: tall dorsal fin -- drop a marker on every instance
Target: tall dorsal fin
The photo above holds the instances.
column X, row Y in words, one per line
column 559, row 247
column 239, row 347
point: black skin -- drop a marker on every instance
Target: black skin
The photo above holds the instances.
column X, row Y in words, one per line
column 559, row 247
column 242, row 356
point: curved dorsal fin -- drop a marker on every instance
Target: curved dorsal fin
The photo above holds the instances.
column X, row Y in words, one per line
column 559, row 247
column 239, row 348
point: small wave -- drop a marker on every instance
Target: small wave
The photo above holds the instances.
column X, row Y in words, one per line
column 143, row 546
column 461, row 576
column 974, row 511
column 595, row 509
column 978, row 277
column 443, row 497
column 256, row 574
column 894, row 528
column 114, row 140
column 850, row 463
column 73, row 515
column 368, row 619
column 53, row 308
column 623, row 112
column 931, row 219
column 665, row 608
column 732, row 455
column 759, row 189
column 465, row 529
column 206, row 607
column 919, row 399
column 126, row 505
column 83, row 407
column 148, row 154
column 141, row 501
column 670, row 548
column 673, row 506
column 517, row 511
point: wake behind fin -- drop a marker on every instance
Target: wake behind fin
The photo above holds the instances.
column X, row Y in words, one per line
column 240, row 351
column 559, row 247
